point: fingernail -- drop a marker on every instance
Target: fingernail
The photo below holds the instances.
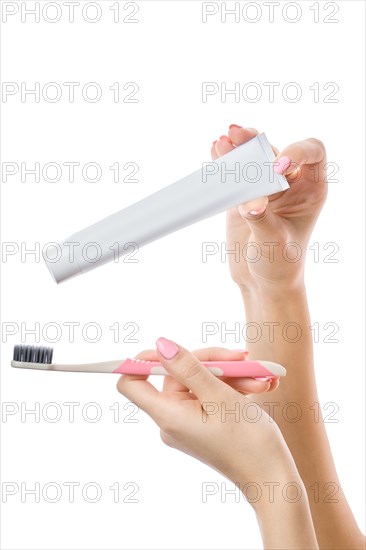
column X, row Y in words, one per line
column 234, row 126
column 241, row 350
column 257, row 212
column 281, row 165
column 214, row 142
column 263, row 379
column 167, row 348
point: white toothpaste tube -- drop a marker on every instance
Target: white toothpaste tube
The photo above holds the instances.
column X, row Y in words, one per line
column 243, row 174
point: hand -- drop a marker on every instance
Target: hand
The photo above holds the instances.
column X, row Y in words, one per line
column 283, row 218
column 244, row 385
column 194, row 414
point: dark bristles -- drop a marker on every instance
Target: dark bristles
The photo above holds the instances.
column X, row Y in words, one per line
column 33, row 354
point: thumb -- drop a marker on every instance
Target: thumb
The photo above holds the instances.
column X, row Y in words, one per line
column 188, row 370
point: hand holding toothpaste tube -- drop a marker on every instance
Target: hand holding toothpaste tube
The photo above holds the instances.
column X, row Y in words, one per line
column 271, row 234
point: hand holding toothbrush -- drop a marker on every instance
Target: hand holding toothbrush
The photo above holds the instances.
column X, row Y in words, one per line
column 190, row 410
column 204, row 417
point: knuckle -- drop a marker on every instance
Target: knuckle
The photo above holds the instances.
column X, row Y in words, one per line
column 191, row 368
column 319, row 144
column 166, row 438
column 168, row 426
column 119, row 385
column 316, row 141
column 144, row 354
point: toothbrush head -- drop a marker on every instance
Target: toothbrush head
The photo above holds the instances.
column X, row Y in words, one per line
column 33, row 354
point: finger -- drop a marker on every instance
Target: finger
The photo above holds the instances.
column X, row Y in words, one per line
column 248, row 385
column 148, row 355
column 223, row 146
column 239, row 135
column 138, row 390
column 214, row 154
column 169, row 384
column 188, row 370
column 254, row 207
column 275, row 382
column 220, row 354
column 206, row 354
column 300, row 154
column 245, row 384
column 260, row 219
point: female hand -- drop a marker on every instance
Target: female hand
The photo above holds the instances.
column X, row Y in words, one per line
column 264, row 228
column 204, row 417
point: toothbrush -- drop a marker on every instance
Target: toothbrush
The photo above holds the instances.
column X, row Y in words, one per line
column 35, row 357
column 245, row 173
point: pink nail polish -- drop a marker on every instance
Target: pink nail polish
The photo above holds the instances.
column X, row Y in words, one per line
column 257, row 212
column 234, row 126
column 167, row 348
column 225, row 138
column 281, row 165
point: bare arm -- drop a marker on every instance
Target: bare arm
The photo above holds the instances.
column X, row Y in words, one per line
column 306, row 437
column 273, row 291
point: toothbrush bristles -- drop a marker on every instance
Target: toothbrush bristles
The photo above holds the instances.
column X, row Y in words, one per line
column 33, row 354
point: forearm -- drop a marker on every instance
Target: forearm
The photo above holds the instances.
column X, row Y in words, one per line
column 284, row 336
column 287, row 525
column 280, row 501
column 286, row 339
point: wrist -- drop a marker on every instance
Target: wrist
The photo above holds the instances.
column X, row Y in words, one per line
column 273, row 290
column 279, row 490
column 271, row 491
column 276, row 481
column 286, row 521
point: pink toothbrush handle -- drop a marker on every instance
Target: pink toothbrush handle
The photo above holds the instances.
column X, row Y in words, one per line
column 252, row 369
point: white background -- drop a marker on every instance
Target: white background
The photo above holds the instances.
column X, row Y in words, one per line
column 169, row 292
